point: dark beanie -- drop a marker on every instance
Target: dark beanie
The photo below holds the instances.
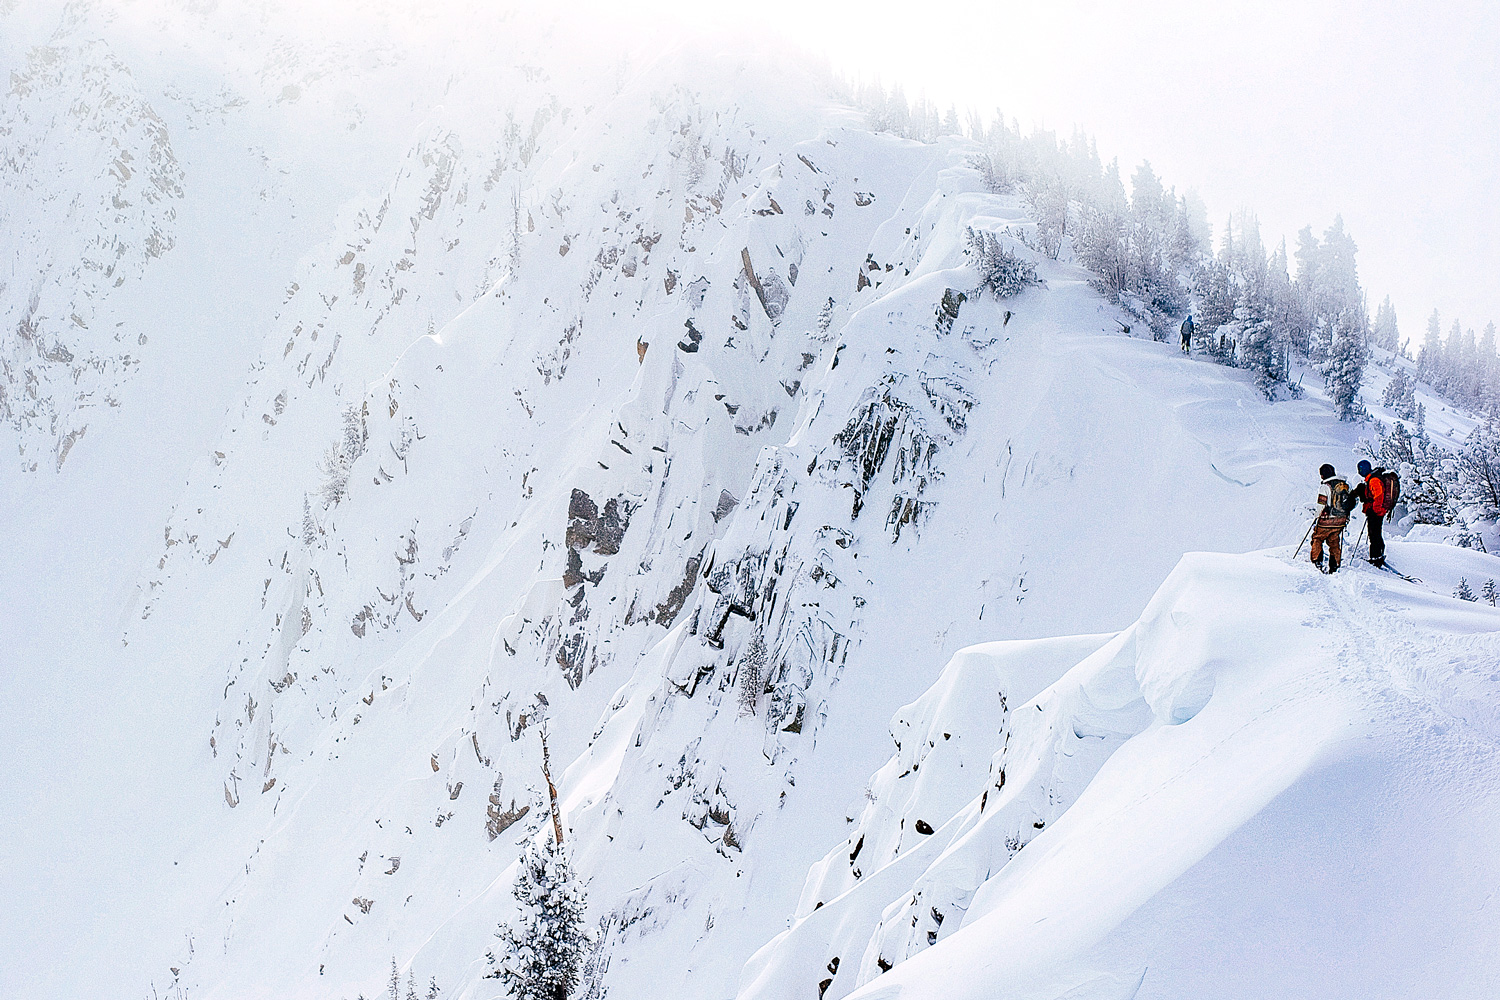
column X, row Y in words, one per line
column 1364, row 467
column 1325, row 470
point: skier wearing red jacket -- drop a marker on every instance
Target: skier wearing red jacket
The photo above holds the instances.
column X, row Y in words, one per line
column 1378, row 493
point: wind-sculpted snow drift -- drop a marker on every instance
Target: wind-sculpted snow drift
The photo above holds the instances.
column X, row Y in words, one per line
column 661, row 410
column 1244, row 678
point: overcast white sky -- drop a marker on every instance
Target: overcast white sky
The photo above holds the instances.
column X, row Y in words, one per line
column 1387, row 112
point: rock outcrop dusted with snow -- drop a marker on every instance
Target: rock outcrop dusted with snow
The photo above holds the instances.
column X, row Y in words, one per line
column 89, row 186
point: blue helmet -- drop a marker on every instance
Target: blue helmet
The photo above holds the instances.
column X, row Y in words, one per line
column 1364, row 467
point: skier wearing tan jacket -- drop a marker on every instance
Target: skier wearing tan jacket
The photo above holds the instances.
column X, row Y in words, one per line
column 1335, row 501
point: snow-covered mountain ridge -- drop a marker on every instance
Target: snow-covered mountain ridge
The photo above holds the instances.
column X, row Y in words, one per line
column 665, row 412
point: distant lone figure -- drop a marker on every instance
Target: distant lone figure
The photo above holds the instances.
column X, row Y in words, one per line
column 1187, row 334
column 1335, row 501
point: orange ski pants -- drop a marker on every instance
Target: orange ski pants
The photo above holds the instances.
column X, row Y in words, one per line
column 1330, row 530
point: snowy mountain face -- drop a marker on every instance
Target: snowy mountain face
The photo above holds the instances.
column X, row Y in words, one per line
column 90, row 187
column 658, row 410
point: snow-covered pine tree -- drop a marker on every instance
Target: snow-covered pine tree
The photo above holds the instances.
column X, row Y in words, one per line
column 1386, row 335
column 752, row 673
column 1048, row 203
column 1260, row 349
column 950, row 121
column 1489, row 593
column 341, row 456
column 1216, row 293
column 1344, row 371
column 1400, row 395
column 309, row 525
column 1430, row 358
column 993, row 173
column 1489, row 373
column 1001, row 271
column 541, row 952
column 1462, row 591
column 1426, row 482
column 1458, row 358
column 1479, row 471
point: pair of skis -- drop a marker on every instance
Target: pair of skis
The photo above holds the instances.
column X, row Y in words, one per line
column 1391, row 569
column 1383, row 565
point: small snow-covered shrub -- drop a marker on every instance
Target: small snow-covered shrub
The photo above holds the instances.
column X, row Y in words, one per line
column 992, row 173
column 1001, row 271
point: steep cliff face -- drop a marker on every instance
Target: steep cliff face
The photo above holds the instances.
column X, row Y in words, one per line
column 700, row 483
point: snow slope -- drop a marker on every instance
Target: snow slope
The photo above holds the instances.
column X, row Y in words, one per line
column 1269, row 779
column 657, row 408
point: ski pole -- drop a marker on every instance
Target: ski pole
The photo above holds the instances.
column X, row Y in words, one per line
column 1305, row 537
column 1361, row 538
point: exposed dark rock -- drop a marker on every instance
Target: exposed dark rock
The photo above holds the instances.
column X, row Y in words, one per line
column 499, row 820
column 879, row 421
column 947, row 310
column 583, row 520
column 576, row 658
column 610, row 529
column 573, row 574
column 906, row 511
column 727, row 503
column 667, row 611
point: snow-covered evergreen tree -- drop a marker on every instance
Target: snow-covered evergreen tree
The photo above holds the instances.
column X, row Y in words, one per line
column 341, row 456
column 1489, row 593
column 1048, row 202
column 542, row 951
column 1385, row 334
column 1001, row 271
column 1400, row 395
column 1488, row 369
column 1462, row 591
column 1261, row 350
column 309, row 524
column 1344, row 370
column 1427, row 482
column 1430, row 358
column 1478, row 469
column 1216, row 293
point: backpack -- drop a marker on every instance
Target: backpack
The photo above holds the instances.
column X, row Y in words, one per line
column 1390, row 491
column 1341, row 499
